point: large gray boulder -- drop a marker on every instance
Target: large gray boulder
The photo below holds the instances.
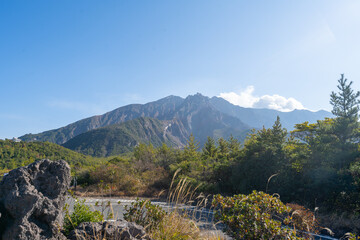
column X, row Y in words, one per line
column 114, row 230
column 32, row 199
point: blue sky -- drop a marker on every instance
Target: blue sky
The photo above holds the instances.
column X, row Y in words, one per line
column 61, row 61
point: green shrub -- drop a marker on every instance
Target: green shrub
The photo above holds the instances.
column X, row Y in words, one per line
column 82, row 213
column 254, row 216
column 144, row 213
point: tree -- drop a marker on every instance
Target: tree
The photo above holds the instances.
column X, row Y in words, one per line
column 191, row 149
column 234, row 145
column 223, row 148
column 209, row 149
column 145, row 156
column 262, row 156
column 165, row 156
column 345, row 107
column 279, row 133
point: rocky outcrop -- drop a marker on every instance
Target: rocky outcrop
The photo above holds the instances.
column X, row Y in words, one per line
column 32, row 199
column 117, row 230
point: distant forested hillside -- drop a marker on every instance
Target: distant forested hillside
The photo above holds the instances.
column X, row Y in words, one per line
column 17, row 154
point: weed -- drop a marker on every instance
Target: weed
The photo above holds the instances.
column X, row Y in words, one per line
column 81, row 213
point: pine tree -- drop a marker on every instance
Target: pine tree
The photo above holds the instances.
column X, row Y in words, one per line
column 191, row 149
column 209, row 149
column 345, row 107
column 279, row 133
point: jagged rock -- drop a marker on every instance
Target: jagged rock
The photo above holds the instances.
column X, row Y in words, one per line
column 32, row 199
column 114, row 230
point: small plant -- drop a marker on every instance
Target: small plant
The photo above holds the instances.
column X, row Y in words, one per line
column 350, row 236
column 82, row 213
column 144, row 213
column 254, row 216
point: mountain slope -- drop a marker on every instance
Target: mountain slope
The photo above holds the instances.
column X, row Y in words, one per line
column 200, row 117
column 159, row 109
column 195, row 114
column 120, row 138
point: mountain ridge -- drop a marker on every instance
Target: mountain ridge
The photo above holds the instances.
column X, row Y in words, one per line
column 197, row 114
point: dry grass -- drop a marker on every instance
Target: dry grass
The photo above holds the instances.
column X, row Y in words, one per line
column 303, row 219
column 175, row 227
column 180, row 224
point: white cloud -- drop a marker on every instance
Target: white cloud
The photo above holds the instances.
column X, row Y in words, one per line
column 244, row 99
column 248, row 100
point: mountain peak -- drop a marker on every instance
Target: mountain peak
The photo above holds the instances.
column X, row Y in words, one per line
column 198, row 97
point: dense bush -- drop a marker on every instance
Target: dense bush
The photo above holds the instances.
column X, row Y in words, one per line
column 254, row 216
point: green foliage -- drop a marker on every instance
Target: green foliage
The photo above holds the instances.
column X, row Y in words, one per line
column 190, row 152
column 263, row 155
column 82, row 213
column 165, row 156
column 254, row 216
column 17, row 154
column 145, row 154
column 209, row 149
column 144, row 213
column 327, row 165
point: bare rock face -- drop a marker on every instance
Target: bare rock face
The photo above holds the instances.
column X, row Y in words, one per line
column 32, row 199
column 115, row 230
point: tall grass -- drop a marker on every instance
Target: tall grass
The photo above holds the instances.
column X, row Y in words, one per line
column 178, row 223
